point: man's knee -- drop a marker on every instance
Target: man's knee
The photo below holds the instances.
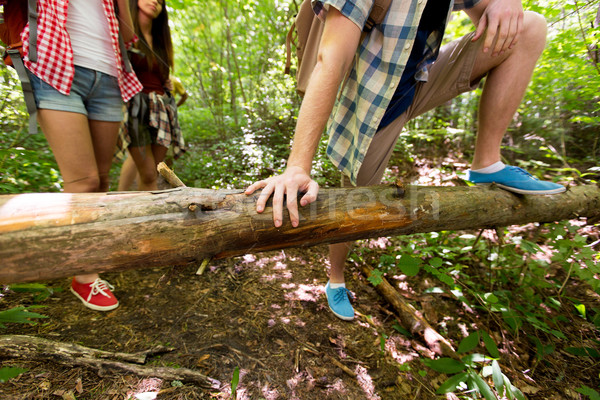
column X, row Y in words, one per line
column 535, row 28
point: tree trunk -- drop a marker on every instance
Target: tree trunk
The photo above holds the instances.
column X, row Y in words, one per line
column 53, row 235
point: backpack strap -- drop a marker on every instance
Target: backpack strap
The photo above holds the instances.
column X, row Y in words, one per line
column 32, row 17
column 290, row 39
column 124, row 54
column 377, row 15
column 17, row 61
column 122, row 47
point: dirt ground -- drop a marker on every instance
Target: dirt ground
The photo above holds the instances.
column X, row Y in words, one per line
column 266, row 315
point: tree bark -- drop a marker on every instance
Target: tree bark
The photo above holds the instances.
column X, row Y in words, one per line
column 54, row 235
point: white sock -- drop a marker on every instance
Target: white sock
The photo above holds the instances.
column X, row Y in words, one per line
column 495, row 167
column 337, row 285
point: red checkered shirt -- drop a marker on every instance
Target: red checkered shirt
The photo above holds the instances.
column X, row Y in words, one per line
column 55, row 54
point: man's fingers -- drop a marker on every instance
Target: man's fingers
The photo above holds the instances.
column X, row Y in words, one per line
column 289, row 183
column 519, row 28
column 502, row 35
column 492, row 30
column 480, row 28
column 264, row 196
column 278, row 205
column 256, row 185
column 292, row 204
column 512, row 33
column 311, row 193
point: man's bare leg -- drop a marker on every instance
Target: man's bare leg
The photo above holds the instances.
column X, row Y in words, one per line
column 337, row 259
column 508, row 76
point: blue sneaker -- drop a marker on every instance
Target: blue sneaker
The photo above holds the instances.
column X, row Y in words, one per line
column 339, row 303
column 516, row 180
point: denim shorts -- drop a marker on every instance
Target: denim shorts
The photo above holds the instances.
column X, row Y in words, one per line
column 93, row 93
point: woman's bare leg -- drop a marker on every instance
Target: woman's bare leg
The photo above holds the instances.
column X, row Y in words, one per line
column 69, row 137
column 159, row 152
column 104, row 138
column 146, row 167
column 73, row 141
column 128, row 175
column 146, row 159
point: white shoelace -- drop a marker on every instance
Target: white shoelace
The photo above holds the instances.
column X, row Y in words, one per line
column 98, row 287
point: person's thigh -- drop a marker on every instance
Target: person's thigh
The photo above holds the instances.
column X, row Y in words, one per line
column 379, row 153
column 69, row 138
column 144, row 161
column 159, row 153
column 449, row 76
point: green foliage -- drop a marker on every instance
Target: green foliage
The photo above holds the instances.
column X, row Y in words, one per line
column 585, row 351
column 516, row 294
column 26, row 163
column 464, row 374
column 235, row 380
column 240, row 117
column 19, row 315
column 562, row 114
column 39, row 291
column 7, row 373
column 473, row 340
column 572, row 252
column 588, row 391
column 507, row 280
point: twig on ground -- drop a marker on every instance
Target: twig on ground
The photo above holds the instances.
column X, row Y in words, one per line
column 411, row 318
column 69, row 354
column 342, row 367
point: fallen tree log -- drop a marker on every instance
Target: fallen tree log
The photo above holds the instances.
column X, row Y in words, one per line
column 29, row 348
column 53, row 235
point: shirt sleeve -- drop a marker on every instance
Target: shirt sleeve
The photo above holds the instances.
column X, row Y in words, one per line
column 356, row 11
column 464, row 4
column 129, row 44
column 178, row 87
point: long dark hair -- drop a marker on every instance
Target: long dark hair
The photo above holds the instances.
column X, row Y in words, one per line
column 162, row 45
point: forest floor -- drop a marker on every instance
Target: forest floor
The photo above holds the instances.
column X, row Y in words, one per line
column 266, row 314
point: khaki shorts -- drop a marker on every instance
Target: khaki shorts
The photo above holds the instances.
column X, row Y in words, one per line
column 449, row 76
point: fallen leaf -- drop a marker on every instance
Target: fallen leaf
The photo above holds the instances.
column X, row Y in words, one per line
column 79, row 386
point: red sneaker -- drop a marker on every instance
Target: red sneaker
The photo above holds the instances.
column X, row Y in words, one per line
column 96, row 295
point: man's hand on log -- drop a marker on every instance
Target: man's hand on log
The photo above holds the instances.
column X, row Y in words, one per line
column 293, row 180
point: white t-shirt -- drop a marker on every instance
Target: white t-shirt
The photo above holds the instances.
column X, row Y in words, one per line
column 90, row 36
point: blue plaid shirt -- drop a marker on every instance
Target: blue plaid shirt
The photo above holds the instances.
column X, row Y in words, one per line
column 382, row 56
